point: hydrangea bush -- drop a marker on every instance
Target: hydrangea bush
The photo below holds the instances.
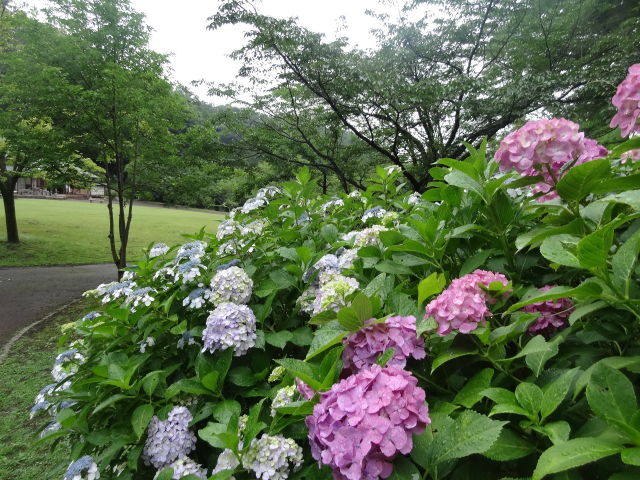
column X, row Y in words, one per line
column 486, row 328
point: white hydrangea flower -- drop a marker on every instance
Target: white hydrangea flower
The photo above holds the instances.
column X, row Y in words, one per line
column 254, row 228
column 188, row 271
column 227, row 228
column 253, row 204
column 307, row 298
column 226, row 461
column 192, row 251
column 158, row 250
column 414, row 199
column 148, row 342
column 333, row 292
column 114, row 290
column 392, row 169
column 231, row 285
column 196, row 299
column 49, row 429
column 367, row 237
column 271, row 457
column 66, row 364
column 375, row 212
column 333, row 203
column 140, row 296
column 268, row 192
column 185, row 466
column 284, row 397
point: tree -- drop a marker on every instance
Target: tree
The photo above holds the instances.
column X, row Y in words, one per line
column 29, row 93
column 123, row 109
column 464, row 71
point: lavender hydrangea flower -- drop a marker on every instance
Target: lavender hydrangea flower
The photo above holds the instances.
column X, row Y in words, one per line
column 463, row 305
column 231, row 285
column 170, row 439
column 158, row 250
column 328, row 264
column 82, row 469
column 271, row 457
column 284, row 397
column 553, row 313
column 365, row 420
column 185, row 466
column 333, row 292
column 364, row 347
column 38, row 407
column 147, row 342
column 305, row 391
column 230, row 326
column 375, row 212
column 302, row 219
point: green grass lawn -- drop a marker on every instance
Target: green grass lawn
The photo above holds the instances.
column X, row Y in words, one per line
column 70, row 232
column 24, row 372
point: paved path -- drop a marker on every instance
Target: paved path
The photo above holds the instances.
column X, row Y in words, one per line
column 28, row 293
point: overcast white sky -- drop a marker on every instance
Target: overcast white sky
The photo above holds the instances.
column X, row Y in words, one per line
column 197, row 53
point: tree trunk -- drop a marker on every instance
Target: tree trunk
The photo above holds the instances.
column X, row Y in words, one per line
column 9, row 202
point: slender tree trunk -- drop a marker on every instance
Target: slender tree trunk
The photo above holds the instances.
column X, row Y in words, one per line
column 9, row 202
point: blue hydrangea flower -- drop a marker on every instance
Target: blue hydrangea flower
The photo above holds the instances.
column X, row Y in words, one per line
column 158, row 249
column 271, row 457
column 302, row 219
column 375, row 212
column 192, row 251
column 82, row 469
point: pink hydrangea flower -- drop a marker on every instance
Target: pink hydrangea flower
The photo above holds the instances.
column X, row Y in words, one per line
column 633, row 155
column 553, row 313
column 627, row 101
column 365, row 420
column 304, row 390
column 365, row 346
column 464, row 303
column 543, row 147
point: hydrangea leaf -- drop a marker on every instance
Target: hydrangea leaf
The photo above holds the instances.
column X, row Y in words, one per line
column 509, row 446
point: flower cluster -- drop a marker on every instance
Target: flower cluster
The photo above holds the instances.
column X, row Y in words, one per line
column 375, row 212
column 231, row 285
column 545, row 147
column 196, row 298
column 363, row 348
column 192, row 251
column 114, row 290
column 365, row 420
column 414, row 199
column 158, row 250
column 66, row 364
column 333, row 292
column 253, row 204
column 140, row 296
column 284, row 397
column 366, row 237
column 226, row 461
column 227, row 228
column 553, row 313
column 185, row 466
column 305, row 390
column 82, row 469
column 230, row 326
column 464, row 303
column 271, row 457
column 170, row 439
column 627, row 101
column 331, row 204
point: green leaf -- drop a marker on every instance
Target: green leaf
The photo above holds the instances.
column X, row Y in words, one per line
column 618, row 184
column 449, row 355
column 242, row 376
column 348, row 318
column 464, row 181
column 558, row 432
column 278, row 339
column 631, row 456
column 361, row 305
column 224, row 410
column 556, row 249
column 580, row 180
column 556, row 391
column 302, row 336
column 110, row 401
column 329, row 233
column 387, row 266
column 326, row 337
column 404, row 469
column 624, row 260
column 471, row 393
column 573, row 453
column 612, row 398
column 509, row 446
column 468, row 434
column 189, row 385
column 529, row 397
column 302, row 370
column 165, row 474
column 593, row 250
column 474, row 262
column 585, row 309
column 625, row 146
column 211, row 381
column 431, row 285
column 385, row 357
column 140, row 418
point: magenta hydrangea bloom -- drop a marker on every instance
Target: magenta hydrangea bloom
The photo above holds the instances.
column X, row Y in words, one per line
column 627, row 101
column 365, row 346
column 553, row 313
column 543, row 147
column 633, row 155
column 464, row 303
column 365, row 420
